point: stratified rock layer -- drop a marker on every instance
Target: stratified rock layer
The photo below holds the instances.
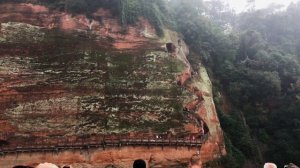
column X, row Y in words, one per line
column 66, row 77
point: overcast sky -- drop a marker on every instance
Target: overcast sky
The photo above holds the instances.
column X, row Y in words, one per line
column 241, row 5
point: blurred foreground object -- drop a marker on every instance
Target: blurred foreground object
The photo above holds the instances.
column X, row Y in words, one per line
column 291, row 165
column 270, row 165
column 46, row 165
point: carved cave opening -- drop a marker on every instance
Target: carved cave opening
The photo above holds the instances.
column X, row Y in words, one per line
column 139, row 164
column 170, row 47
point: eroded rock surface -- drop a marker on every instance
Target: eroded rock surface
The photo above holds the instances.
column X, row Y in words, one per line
column 67, row 77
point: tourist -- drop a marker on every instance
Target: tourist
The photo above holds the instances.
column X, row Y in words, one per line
column 291, row 165
column 270, row 165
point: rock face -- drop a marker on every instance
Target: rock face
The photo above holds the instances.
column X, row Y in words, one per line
column 65, row 77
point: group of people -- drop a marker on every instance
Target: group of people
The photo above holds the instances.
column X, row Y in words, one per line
column 273, row 165
column 193, row 165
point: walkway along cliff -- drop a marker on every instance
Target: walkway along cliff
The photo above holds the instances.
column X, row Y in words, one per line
column 75, row 91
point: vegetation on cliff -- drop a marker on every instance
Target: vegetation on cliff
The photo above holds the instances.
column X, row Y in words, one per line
column 128, row 11
column 120, row 86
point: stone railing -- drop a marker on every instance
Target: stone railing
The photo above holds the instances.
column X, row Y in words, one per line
column 101, row 143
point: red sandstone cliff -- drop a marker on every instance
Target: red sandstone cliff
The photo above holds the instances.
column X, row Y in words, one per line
column 58, row 103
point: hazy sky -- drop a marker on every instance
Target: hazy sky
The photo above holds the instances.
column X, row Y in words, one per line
column 241, row 5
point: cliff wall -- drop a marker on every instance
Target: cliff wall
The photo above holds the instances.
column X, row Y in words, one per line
column 65, row 77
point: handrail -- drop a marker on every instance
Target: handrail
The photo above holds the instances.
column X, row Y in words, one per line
column 103, row 143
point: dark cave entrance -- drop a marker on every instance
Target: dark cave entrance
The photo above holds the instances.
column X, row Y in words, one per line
column 170, row 47
column 139, row 164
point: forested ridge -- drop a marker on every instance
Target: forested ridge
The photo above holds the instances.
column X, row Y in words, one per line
column 253, row 59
